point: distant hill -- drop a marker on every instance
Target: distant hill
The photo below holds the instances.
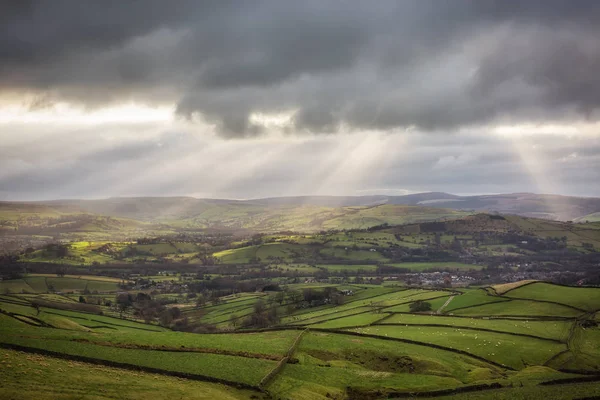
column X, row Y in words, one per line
column 301, row 213
column 189, row 214
column 555, row 207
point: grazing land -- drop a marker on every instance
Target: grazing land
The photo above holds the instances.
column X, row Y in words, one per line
column 358, row 346
column 312, row 302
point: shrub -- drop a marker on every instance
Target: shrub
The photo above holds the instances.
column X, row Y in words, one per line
column 420, row 306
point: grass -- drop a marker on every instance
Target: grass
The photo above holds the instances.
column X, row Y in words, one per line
column 350, row 321
column 583, row 298
column 315, row 382
column 554, row 392
column 103, row 347
column 128, row 334
column 46, row 378
column 330, row 362
column 236, row 256
column 15, row 286
column 497, row 347
column 424, row 295
column 42, row 284
column 326, row 315
column 353, row 255
column 558, row 330
column 524, row 308
column 505, row 287
column 469, row 298
column 237, row 369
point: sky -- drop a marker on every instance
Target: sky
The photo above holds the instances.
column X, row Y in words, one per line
column 246, row 99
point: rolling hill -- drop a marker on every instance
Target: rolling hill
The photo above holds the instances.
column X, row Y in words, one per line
column 527, row 204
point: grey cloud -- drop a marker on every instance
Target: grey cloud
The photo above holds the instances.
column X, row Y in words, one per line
column 437, row 65
column 183, row 164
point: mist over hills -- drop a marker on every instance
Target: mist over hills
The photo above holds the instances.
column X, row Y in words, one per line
column 554, row 207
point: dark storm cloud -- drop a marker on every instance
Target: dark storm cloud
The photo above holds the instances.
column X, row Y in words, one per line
column 437, row 65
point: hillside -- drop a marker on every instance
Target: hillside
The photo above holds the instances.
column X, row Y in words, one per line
column 533, row 339
column 152, row 214
column 204, row 212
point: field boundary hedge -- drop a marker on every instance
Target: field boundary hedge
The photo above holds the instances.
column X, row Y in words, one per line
column 548, row 361
column 491, row 317
column 334, row 318
column 13, row 300
column 42, row 324
column 273, row 373
column 132, row 367
column 475, row 329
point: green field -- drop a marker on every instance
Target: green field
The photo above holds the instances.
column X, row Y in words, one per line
column 471, row 298
column 493, row 346
column 558, row 330
column 525, row 308
column 27, row 376
column 47, row 284
column 584, row 298
column 369, row 344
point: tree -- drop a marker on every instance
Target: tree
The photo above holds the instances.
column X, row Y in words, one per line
column 279, row 297
column 233, row 320
column 295, row 296
column 165, row 318
column 81, row 299
column 259, row 306
column 420, row 306
column 124, row 301
column 175, row 312
column 200, row 301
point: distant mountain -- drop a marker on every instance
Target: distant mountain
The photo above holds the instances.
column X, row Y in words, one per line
column 210, row 211
column 547, row 206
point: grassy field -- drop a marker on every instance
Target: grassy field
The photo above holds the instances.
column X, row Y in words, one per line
column 554, row 392
column 525, row 308
column 25, row 376
column 505, row 287
column 558, row 330
column 492, row 346
column 359, row 344
column 52, row 283
column 471, row 297
column 583, row 298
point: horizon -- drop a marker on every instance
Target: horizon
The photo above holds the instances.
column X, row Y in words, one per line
column 288, row 197
column 234, row 101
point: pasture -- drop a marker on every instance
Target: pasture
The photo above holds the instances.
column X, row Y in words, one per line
column 52, row 283
column 369, row 344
